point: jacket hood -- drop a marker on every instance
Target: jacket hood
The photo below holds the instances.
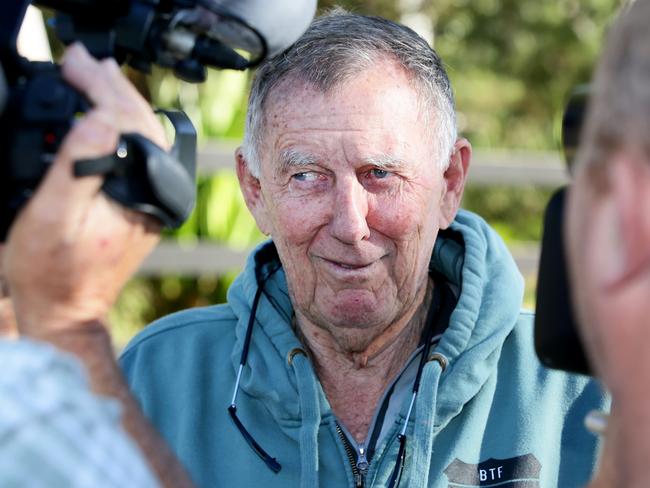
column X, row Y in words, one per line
column 474, row 258
column 469, row 254
column 268, row 374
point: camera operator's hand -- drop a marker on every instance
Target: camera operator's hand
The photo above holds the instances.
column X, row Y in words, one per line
column 71, row 249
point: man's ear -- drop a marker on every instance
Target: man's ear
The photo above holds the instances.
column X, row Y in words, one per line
column 454, row 179
column 252, row 192
column 629, row 182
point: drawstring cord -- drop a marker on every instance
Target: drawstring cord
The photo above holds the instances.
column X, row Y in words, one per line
column 311, row 418
column 271, row 462
column 432, row 317
column 309, row 406
column 425, row 409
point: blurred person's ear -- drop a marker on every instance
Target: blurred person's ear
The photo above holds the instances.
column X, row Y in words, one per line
column 629, row 184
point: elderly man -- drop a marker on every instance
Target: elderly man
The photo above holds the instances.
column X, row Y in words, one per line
column 377, row 339
column 609, row 244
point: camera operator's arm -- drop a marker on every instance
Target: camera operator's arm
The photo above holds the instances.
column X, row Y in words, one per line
column 71, row 249
column 609, row 251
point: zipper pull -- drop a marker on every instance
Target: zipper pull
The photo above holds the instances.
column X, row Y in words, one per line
column 362, row 463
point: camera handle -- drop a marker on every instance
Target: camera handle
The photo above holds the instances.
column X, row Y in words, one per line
column 142, row 176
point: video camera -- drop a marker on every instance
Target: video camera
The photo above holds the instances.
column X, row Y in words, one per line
column 184, row 35
column 557, row 341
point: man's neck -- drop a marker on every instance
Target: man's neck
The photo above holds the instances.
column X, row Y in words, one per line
column 354, row 380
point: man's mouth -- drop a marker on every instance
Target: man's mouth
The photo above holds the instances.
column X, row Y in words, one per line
column 350, row 266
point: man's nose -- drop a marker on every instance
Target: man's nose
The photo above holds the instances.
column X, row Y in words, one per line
column 349, row 213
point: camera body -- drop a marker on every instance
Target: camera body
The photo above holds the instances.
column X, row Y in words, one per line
column 38, row 113
column 184, row 35
column 557, row 341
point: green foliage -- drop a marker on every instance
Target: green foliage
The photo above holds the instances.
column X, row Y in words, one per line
column 220, row 215
column 223, row 215
column 217, row 106
column 383, row 8
column 515, row 212
column 512, row 63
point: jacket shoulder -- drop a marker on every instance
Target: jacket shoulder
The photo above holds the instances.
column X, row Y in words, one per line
column 519, row 351
column 180, row 329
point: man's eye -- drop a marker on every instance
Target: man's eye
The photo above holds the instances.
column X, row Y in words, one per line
column 379, row 173
column 305, row 176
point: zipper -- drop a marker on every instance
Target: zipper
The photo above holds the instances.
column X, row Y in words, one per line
column 358, row 461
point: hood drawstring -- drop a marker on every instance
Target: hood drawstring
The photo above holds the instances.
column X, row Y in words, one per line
column 426, row 425
column 425, row 409
column 309, row 407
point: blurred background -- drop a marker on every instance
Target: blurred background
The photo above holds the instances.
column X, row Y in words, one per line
column 512, row 64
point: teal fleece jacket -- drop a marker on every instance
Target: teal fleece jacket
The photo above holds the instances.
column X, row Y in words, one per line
column 493, row 416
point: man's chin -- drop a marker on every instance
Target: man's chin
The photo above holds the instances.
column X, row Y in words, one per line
column 357, row 316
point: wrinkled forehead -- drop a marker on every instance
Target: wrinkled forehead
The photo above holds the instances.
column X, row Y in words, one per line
column 294, row 84
column 379, row 108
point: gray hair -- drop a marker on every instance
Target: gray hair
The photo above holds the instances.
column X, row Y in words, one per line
column 339, row 45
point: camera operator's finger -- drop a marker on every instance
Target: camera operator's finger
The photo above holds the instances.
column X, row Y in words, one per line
column 133, row 112
column 60, row 191
column 87, row 75
column 112, row 94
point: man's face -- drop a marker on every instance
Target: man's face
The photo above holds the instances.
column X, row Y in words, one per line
column 353, row 197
